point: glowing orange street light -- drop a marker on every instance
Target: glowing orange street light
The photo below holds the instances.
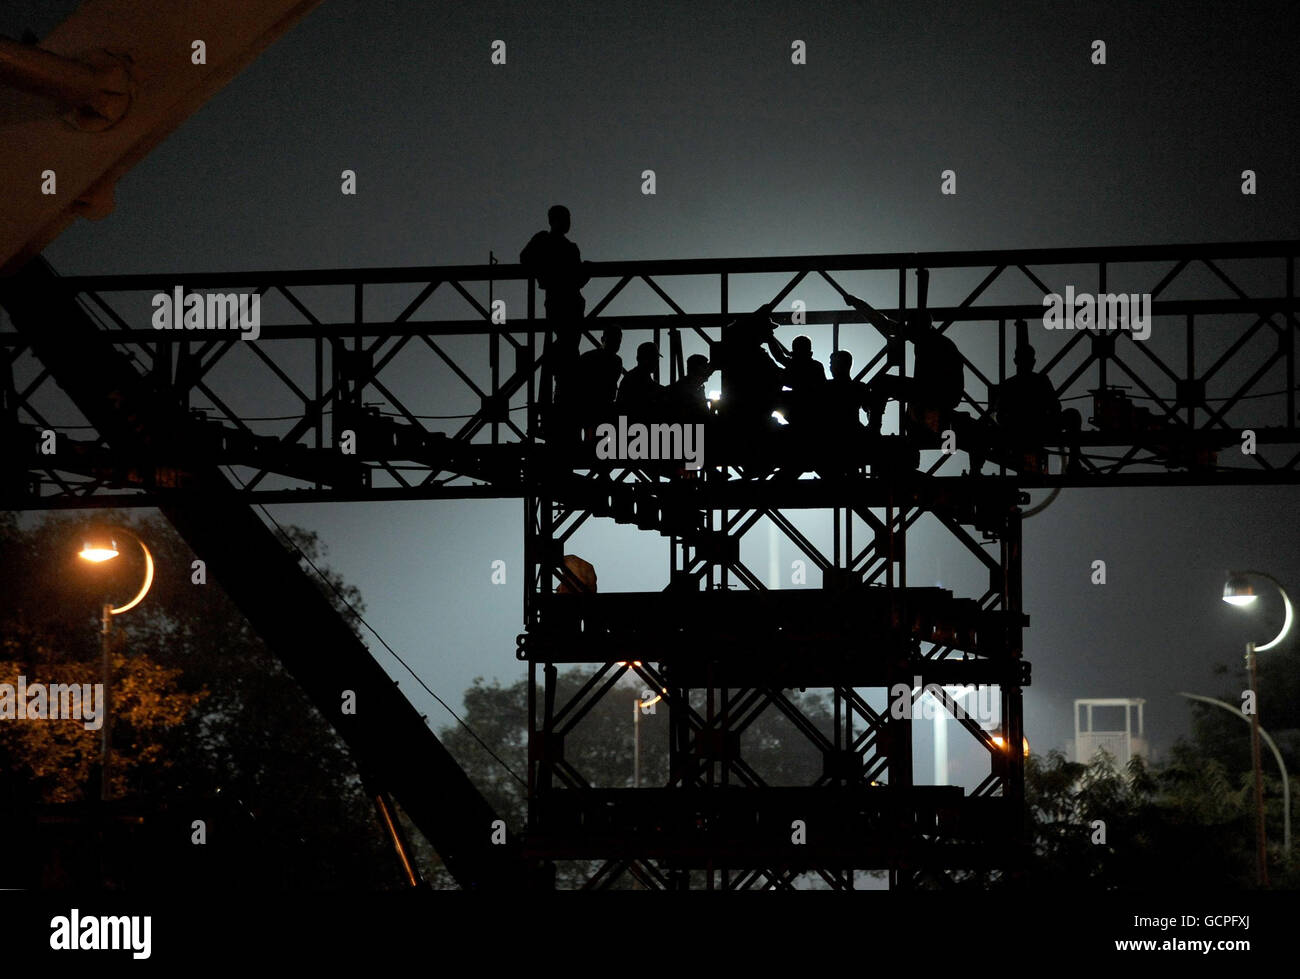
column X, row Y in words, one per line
column 1001, row 742
column 98, row 549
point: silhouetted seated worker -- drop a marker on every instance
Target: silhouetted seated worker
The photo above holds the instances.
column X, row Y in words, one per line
column 938, row 378
column 640, row 395
column 1029, row 414
column 840, row 442
column 802, row 375
column 557, row 264
column 587, row 396
column 934, row 390
column 751, row 379
column 684, row 399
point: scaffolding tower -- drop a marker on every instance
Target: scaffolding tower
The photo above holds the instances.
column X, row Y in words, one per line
column 172, row 422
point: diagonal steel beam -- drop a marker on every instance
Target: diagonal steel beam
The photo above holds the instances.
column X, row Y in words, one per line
column 389, row 740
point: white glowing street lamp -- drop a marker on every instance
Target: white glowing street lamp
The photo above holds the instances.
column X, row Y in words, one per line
column 1238, row 590
column 98, row 549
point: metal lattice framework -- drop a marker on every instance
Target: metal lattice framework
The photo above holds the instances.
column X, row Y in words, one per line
column 343, row 409
column 327, row 365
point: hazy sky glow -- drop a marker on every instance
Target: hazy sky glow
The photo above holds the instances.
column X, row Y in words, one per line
column 753, row 156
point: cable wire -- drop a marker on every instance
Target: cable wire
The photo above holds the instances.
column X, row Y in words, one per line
column 361, row 618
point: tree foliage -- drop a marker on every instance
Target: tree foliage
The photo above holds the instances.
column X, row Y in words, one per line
column 601, row 747
column 203, row 711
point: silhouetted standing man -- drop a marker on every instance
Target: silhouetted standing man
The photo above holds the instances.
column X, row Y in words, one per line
column 591, row 387
column 842, row 397
column 557, row 265
column 836, row 409
column 802, row 375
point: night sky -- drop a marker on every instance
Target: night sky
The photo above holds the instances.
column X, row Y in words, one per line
column 753, row 156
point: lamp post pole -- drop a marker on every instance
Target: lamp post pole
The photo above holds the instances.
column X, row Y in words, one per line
column 98, row 551
column 105, row 669
column 1261, row 849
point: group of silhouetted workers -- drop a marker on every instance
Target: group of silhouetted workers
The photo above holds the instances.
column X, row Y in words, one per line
column 766, row 389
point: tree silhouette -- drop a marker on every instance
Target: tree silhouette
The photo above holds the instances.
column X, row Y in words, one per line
column 204, row 714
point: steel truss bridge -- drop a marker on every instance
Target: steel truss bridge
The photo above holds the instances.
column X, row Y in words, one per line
column 410, row 384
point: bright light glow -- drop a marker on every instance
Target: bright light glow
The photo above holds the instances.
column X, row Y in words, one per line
column 1001, row 742
column 1288, row 618
column 715, row 395
column 144, row 589
column 101, row 549
column 97, row 554
column 1237, row 590
column 780, row 417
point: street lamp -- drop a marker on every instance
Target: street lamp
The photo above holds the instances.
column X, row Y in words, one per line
column 1237, row 590
column 98, row 549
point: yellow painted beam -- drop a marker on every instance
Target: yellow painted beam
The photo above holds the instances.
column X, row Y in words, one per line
column 101, row 91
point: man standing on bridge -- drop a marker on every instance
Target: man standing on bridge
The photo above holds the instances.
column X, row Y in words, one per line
column 557, row 265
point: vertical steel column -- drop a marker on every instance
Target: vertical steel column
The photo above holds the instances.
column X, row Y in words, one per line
column 532, row 364
column 1101, row 361
column 1002, row 377
column 318, row 393
column 1013, row 694
column 1290, row 341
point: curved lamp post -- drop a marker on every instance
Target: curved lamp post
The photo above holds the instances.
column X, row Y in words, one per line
column 1238, row 590
column 1286, row 783
column 98, row 549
